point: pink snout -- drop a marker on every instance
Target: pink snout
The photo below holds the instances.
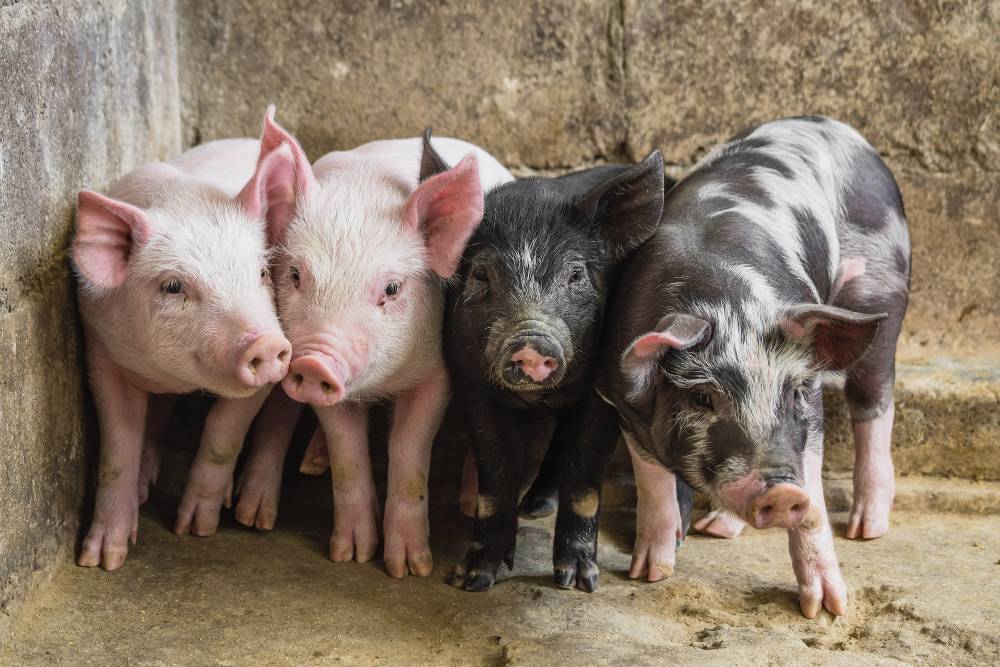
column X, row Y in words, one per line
column 264, row 360
column 533, row 364
column 317, row 380
column 783, row 505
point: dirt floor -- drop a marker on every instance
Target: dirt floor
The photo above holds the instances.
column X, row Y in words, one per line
column 928, row 593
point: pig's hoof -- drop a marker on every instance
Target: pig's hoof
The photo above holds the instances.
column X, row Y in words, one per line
column 354, row 541
column 479, row 570
column 581, row 571
column 258, row 499
column 824, row 588
column 407, row 555
column 720, row 523
column 870, row 515
column 537, row 507
column 198, row 516
column 106, row 544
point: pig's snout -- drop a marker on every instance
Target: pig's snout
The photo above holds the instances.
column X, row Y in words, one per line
column 782, row 505
column 534, row 360
column 264, row 360
column 533, row 364
column 317, row 380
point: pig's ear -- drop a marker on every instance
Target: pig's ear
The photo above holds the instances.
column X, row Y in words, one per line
column 107, row 230
column 838, row 336
column 628, row 206
column 270, row 192
column 445, row 209
column 676, row 331
column 431, row 163
column 272, row 137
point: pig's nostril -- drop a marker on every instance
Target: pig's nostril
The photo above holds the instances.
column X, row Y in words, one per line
column 766, row 509
column 254, row 364
column 550, row 364
column 298, row 378
column 327, row 387
column 283, row 355
column 796, row 508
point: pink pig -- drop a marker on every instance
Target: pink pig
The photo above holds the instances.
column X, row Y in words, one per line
column 360, row 292
column 175, row 296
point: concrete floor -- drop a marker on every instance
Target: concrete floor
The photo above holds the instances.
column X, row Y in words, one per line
column 928, row 593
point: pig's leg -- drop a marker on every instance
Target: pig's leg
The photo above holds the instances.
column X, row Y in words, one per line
column 720, row 523
column 868, row 390
column 121, row 412
column 811, row 543
column 355, row 507
column 417, row 417
column 584, row 438
column 210, row 482
column 658, row 526
column 259, row 488
column 499, row 436
column 467, row 497
column 161, row 408
column 542, row 499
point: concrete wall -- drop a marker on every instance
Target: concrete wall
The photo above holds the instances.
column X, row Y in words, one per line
column 88, row 90
column 546, row 84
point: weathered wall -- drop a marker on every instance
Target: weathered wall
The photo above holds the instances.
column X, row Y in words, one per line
column 554, row 84
column 87, row 91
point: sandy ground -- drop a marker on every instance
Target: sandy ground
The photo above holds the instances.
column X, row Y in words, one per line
column 928, row 593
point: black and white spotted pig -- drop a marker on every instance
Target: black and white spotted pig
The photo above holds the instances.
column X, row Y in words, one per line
column 783, row 254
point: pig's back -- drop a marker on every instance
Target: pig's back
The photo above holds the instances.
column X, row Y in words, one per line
column 215, row 171
column 227, row 163
column 398, row 160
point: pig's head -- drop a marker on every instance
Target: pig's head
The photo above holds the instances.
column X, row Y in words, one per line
column 535, row 276
column 359, row 275
column 732, row 397
column 186, row 282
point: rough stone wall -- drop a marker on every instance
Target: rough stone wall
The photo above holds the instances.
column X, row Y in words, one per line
column 548, row 84
column 88, row 90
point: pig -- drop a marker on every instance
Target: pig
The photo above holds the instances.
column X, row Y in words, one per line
column 783, row 254
column 359, row 285
column 175, row 296
column 523, row 327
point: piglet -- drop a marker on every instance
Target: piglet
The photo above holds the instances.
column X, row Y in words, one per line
column 523, row 327
column 360, row 292
column 175, row 296
column 783, row 254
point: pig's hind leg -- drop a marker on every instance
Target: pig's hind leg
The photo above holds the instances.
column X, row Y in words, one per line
column 869, row 393
column 157, row 420
column 259, row 487
column 720, row 523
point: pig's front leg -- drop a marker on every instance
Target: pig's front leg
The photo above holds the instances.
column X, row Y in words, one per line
column 720, row 523
column 259, row 488
column 355, row 507
column 658, row 525
column 210, row 482
column 121, row 412
column 584, row 438
column 498, row 437
column 418, row 415
column 158, row 415
column 811, row 543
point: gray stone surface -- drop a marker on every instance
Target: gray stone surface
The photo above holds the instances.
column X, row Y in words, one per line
column 87, row 91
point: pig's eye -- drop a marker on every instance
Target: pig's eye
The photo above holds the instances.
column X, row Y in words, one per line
column 480, row 274
column 702, row 400
column 263, row 274
column 575, row 276
column 172, row 286
column 392, row 289
column 294, row 272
